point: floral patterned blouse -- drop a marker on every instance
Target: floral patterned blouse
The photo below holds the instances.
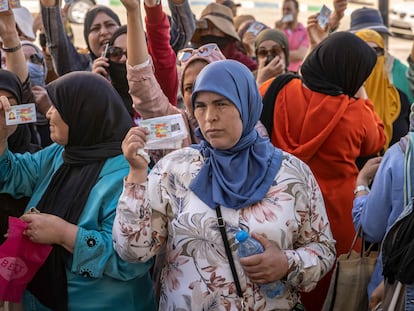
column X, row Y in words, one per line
column 196, row 274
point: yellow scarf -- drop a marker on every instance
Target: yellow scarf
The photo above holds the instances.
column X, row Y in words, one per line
column 380, row 90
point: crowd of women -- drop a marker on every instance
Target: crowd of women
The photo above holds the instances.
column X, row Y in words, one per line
column 280, row 122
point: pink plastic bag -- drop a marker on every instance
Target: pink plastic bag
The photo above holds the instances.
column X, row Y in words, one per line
column 20, row 259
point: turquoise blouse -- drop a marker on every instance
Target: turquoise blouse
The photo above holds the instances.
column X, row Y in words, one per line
column 98, row 279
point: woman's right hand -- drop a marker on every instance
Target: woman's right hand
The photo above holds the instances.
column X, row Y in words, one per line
column 100, row 66
column 132, row 145
column 273, row 69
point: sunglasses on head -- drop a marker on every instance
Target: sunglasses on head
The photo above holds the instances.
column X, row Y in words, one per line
column 203, row 51
column 274, row 51
column 116, row 53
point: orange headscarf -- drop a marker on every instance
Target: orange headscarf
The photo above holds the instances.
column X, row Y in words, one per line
column 380, row 90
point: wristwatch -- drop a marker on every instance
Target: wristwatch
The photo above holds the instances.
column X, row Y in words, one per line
column 361, row 188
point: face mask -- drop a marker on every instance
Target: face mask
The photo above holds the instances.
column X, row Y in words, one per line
column 220, row 41
column 36, row 73
column 118, row 75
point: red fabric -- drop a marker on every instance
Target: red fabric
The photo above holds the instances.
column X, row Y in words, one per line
column 232, row 52
column 328, row 133
column 163, row 56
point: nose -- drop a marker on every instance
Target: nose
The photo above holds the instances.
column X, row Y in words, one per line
column 123, row 58
column 104, row 30
column 211, row 113
column 49, row 112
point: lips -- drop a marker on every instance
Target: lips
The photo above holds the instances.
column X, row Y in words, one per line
column 212, row 131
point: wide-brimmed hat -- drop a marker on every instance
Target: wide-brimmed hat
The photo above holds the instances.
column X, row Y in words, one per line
column 24, row 22
column 368, row 18
column 220, row 16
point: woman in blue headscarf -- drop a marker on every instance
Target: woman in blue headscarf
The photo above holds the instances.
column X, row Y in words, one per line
column 257, row 188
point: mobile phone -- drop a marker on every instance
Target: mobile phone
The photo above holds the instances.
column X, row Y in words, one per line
column 323, row 17
column 106, row 51
column 256, row 27
column 269, row 58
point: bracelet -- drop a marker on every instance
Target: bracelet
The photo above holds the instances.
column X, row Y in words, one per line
column 361, row 188
column 13, row 49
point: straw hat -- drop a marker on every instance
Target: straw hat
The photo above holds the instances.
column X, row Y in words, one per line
column 221, row 17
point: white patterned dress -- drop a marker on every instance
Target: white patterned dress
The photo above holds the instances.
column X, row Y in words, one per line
column 196, row 275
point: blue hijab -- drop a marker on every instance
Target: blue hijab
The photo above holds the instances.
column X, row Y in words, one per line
column 240, row 176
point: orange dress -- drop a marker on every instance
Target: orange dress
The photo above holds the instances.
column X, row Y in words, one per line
column 328, row 133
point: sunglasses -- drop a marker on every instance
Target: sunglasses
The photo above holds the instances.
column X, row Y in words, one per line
column 379, row 51
column 203, row 51
column 115, row 53
column 274, row 51
column 36, row 58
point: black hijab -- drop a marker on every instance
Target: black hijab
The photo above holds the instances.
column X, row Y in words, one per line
column 98, row 121
column 90, row 17
column 11, row 83
column 338, row 65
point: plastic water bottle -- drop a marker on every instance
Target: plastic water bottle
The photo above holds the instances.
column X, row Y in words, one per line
column 249, row 246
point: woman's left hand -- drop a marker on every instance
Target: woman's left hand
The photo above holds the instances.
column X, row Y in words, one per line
column 7, row 24
column 44, row 228
column 268, row 267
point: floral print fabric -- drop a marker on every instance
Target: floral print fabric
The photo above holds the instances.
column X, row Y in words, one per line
column 196, row 274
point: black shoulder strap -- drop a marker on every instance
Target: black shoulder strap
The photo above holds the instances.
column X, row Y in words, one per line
column 269, row 99
column 222, row 225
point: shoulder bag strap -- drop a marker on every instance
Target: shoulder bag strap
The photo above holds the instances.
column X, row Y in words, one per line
column 222, row 227
column 269, row 100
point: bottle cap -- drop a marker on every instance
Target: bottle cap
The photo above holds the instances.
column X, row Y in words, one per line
column 241, row 236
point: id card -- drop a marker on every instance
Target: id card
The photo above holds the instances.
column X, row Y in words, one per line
column 20, row 114
column 4, row 5
column 287, row 18
column 323, row 17
column 165, row 132
column 255, row 27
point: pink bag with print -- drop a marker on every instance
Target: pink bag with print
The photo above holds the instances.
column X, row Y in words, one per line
column 20, row 259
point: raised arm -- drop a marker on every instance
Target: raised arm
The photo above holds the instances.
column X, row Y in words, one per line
column 15, row 60
column 64, row 54
column 182, row 23
column 148, row 98
column 163, row 55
